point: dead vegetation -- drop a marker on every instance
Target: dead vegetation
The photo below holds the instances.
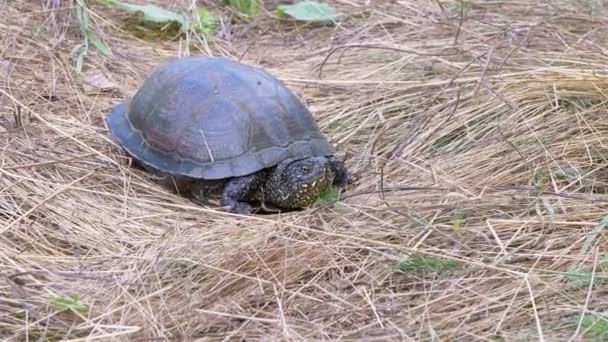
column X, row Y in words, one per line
column 476, row 129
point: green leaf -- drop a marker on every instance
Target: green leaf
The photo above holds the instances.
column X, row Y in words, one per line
column 151, row 13
column 63, row 303
column 82, row 15
column 311, row 11
column 76, row 49
column 99, row 44
column 80, row 61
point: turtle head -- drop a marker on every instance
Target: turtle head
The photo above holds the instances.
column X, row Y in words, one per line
column 299, row 183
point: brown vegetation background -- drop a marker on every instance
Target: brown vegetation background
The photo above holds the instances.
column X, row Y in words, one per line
column 477, row 131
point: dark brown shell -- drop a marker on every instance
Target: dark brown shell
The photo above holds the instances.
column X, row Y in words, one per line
column 213, row 118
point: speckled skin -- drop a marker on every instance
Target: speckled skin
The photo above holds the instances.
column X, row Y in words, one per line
column 293, row 184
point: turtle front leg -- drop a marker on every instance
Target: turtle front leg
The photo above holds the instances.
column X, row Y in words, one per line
column 238, row 191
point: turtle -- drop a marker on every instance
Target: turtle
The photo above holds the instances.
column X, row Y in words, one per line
column 215, row 128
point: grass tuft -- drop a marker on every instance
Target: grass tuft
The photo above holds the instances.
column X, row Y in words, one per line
column 424, row 264
column 63, row 303
column 246, row 7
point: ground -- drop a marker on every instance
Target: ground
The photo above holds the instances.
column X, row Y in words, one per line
column 476, row 132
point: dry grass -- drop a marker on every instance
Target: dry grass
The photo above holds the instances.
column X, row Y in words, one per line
column 478, row 136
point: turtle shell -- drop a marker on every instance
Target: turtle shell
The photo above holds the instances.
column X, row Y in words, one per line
column 213, row 118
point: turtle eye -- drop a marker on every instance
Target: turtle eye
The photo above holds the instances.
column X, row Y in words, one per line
column 306, row 169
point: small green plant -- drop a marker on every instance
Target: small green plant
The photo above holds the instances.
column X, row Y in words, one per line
column 578, row 103
column 309, row 11
column 567, row 172
column 204, row 21
column 63, row 303
column 89, row 38
column 460, row 6
column 579, row 276
column 331, row 195
column 593, row 235
column 246, row 7
column 456, row 220
column 595, row 328
column 421, row 263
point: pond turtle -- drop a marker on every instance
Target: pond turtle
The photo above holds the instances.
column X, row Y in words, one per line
column 220, row 129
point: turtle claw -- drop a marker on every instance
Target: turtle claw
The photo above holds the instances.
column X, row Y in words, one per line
column 239, row 208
